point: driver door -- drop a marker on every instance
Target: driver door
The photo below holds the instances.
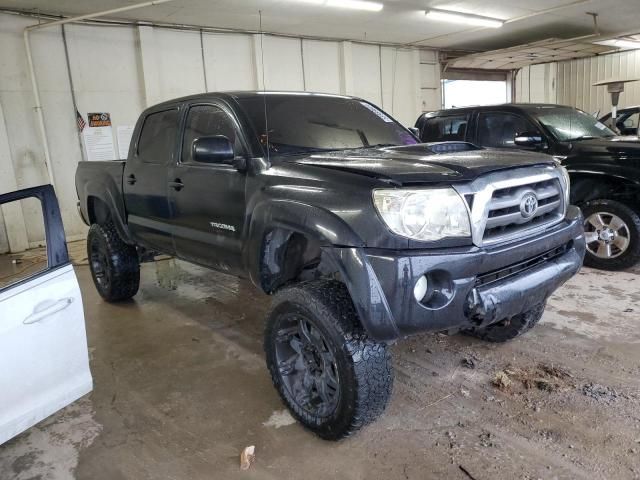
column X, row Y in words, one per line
column 208, row 199
column 43, row 344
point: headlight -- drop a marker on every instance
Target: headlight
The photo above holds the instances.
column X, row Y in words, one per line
column 423, row 214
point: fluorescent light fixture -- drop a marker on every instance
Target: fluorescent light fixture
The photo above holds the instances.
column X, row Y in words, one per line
column 463, row 18
column 355, row 5
column 351, row 4
column 620, row 43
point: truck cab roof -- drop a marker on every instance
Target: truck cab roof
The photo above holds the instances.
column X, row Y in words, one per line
column 513, row 107
column 240, row 94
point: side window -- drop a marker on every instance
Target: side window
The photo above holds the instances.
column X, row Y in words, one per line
column 628, row 125
column 157, row 138
column 445, row 129
column 498, row 130
column 39, row 206
column 205, row 121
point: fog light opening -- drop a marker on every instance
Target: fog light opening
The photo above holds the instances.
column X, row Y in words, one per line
column 420, row 288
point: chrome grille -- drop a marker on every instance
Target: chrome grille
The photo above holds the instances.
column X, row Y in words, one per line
column 504, row 212
column 496, row 203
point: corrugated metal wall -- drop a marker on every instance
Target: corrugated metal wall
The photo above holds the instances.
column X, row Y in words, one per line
column 536, row 84
column 430, row 85
column 571, row 82
column 576, row 78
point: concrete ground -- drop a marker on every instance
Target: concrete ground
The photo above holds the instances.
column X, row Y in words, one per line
column 181, row 388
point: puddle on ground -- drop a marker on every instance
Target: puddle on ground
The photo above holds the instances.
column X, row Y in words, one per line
column 192, row 281
column 279, row 418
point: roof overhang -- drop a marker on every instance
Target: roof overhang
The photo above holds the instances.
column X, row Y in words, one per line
column 544, row 51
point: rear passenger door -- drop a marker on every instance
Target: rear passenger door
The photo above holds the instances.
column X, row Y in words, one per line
column 145, row 180
column 446, row 128
column 499, row 129
column 208, row 199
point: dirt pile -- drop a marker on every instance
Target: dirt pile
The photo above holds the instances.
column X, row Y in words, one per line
column 545, row 377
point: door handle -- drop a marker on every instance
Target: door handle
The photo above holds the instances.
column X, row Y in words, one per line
column 176, row 184
column 131, row 179
column 47, row 311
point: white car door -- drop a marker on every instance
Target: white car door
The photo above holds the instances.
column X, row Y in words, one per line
column 43, row 345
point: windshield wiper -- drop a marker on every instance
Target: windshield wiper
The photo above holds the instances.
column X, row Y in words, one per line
column 306, row 151
column 382, row 145
column 286, row 149
column 581, row 137
column 376, row 145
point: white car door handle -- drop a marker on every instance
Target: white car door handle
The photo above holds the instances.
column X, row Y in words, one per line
column 50, row 310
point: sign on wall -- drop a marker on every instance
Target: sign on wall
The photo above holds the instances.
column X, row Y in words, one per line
column 98, row 137
column 124, row 134
column 102, row 119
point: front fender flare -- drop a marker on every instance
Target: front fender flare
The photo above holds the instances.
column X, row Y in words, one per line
column 314, row 222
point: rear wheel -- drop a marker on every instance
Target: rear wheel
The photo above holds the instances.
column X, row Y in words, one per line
column 332, row 377
column 114, row 264
column 612, row 234
column 510, row 328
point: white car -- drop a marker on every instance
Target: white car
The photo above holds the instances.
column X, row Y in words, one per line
column 43, row 343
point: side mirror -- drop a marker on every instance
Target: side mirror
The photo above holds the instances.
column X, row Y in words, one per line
column 528, row 139
column 213, row 149
column 415, row 131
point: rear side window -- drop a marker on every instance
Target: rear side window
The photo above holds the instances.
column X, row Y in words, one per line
column 499, row 130
column 445, row 129
column 158, row 136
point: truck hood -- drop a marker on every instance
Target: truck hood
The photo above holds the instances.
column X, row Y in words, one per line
column 415, row 164
column 619, row 148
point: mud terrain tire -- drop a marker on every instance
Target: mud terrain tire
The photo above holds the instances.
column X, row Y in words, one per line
column 114, row 264
column 331, row 376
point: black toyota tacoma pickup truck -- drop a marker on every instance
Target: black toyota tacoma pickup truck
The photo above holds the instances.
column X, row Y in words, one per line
column 361, row 234
column 604, row 168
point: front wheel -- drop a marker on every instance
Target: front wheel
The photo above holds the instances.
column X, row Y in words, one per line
column 510, row 328
column 612, row 234
column 331, row 376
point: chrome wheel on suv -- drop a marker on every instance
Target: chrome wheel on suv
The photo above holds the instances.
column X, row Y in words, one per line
column 606, row 234
column 612, row 235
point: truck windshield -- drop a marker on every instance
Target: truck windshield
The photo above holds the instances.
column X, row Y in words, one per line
column 568, row 124
column 303, row 123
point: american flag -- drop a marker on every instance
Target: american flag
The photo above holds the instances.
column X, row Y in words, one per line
column 80, row 121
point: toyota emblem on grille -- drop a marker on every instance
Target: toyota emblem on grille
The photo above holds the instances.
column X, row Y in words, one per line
column 529, row 205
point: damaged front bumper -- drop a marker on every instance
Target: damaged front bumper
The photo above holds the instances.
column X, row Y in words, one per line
column 467, row 286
